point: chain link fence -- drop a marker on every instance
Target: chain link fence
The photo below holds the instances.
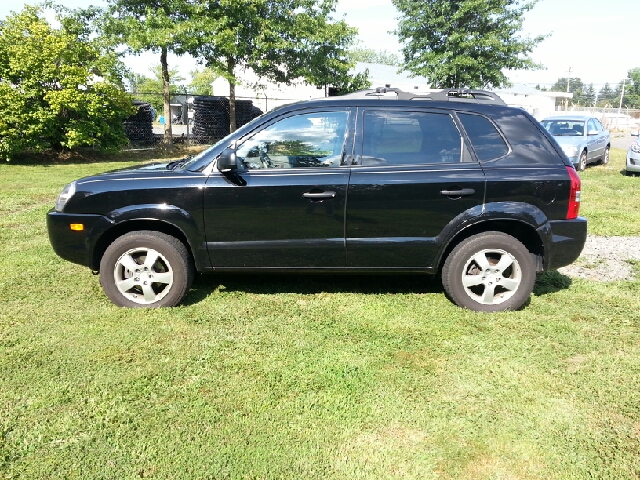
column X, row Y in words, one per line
column 195, row 119
column 622, row 119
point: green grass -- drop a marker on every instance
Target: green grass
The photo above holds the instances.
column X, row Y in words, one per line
column 610, row 200
column 260, row 377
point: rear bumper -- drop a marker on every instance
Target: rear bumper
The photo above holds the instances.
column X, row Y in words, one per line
column 566, row 241
column 73, row 245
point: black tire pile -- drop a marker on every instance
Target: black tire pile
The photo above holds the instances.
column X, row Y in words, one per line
column 211, row 117
column 139, row 127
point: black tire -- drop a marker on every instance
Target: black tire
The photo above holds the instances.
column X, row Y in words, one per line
column 582, row 163
column 489, row 272
column 605, row 156
column 163, row 281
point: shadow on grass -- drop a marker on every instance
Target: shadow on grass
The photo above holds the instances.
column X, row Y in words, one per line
column 269, row 284
column 551, row 282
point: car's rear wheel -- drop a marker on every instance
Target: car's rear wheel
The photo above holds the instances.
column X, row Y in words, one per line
column 605, row 156
column 582, row 163
column 489, row 272
column 146, row 269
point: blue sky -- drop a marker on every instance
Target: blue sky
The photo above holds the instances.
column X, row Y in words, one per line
column 598, row 40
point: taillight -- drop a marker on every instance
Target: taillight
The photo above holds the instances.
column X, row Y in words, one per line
column 574, row 194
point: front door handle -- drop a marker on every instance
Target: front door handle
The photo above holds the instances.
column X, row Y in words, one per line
column 319, row 195
column 458, row 193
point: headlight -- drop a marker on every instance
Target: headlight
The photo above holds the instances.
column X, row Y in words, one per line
column 635, row 147
column 570, row 150
column 67, row 192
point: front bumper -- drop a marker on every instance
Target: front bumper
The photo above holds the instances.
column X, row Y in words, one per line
column 566, row 241
column 633, row 161
column 76, row 246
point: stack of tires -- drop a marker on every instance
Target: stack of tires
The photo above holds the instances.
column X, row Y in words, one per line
column 244, row 112
column 210, row 118
column 139, row 127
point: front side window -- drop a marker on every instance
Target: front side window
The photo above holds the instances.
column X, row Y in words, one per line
column 309, row 140
column 594, row 125
column 409, row 138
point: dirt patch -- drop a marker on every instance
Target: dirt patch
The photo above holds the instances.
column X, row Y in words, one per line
column 606, row 259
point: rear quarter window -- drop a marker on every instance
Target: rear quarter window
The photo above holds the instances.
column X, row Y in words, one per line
column 529, row 145
column 485, row 139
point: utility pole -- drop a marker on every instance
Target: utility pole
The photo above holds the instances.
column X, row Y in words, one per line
column 566, row 100
column 622, row 95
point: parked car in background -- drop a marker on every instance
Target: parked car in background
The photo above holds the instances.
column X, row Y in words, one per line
column 633, row 156
column 583, row 139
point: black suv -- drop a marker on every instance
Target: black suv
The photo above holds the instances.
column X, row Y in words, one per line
column 452, row 183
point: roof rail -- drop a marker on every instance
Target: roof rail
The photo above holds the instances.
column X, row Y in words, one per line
column 446, row 95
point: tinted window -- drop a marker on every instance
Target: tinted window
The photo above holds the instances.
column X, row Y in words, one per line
column 310, row 140
column 486, row 140
column 406, row 138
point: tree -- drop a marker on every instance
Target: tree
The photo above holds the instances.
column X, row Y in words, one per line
column 150, row 89
column 632, row 91
column 159, row 26
column 369, row 55
column 589, row 95
column 58, row 89
column 605, row 95
column 465, row 43
column 201, row 81
column 280, row 40
column 575, row 85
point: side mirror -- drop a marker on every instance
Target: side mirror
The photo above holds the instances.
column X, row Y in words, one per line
column 592, row 132
column 634, row 133
column 227, row 160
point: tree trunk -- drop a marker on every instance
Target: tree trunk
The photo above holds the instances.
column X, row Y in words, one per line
column 166, row 97
column 232, row 95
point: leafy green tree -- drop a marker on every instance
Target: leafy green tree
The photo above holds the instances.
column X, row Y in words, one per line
column 58, row 88
column 632, row 91
column 201, row 81
column 150, row 89
column 576, row 86
column 465, row 43
column 369, row 55
column 159, row 26
column 280, row 40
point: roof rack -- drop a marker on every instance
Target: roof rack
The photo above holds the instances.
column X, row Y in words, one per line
column 446, row 95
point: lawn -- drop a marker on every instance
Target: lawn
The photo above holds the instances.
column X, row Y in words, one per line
column 268, row 377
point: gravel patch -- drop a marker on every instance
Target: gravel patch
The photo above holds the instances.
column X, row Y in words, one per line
column 606, row 259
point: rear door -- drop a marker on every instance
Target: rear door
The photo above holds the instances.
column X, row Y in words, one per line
column 413, row 175
column 596, row 142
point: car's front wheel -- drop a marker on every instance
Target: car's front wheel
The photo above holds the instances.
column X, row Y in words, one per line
column 489, row 272
column 146, row 269
column 605, row 156
column 582, row 163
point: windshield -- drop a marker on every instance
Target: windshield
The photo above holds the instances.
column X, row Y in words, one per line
column 568, row 128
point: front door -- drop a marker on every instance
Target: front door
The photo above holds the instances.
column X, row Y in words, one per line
column 414, row 175
column 285, row 207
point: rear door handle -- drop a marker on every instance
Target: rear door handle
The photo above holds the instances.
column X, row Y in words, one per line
column 458, row 193
column 319, row 195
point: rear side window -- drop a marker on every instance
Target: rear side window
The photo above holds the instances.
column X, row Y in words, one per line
column 409, row 138
column 486, row 140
